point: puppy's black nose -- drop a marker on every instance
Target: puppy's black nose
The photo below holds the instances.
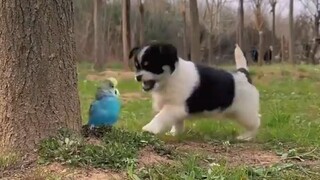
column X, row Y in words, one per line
column 139, row 78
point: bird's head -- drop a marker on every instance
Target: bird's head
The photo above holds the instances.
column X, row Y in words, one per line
column 105, row 90
column 112, row 82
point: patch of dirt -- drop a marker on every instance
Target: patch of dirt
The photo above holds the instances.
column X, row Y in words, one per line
column 147, row 157
column 266, row 77
column 244, row 154
column 23, row 165
column 94, row 141
column 66, row 172
column 106, row 74
column 131, row 96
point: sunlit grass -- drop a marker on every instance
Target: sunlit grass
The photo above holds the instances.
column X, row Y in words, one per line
column 290, row 109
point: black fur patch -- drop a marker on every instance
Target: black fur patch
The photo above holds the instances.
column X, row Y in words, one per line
column 155, row 57
column 244, row 71
column 215, row 91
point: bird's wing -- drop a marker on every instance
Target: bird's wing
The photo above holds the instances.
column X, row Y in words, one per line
column 91, row 109
column 116, row 91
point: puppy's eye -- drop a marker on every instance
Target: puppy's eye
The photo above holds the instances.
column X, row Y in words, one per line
column 136, row 64
column 145, row 63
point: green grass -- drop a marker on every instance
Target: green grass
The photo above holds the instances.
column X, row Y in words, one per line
column 117, row 149
column 290, row 109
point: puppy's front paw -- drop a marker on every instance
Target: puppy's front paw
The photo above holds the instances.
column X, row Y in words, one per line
column 247, row 136
column 151, row 128
column 174, row 131
column 244, row 138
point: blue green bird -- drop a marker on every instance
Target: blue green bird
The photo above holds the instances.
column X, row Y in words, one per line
column 105, row 109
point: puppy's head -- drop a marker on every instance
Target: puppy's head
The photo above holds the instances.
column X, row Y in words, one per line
column 154, row 63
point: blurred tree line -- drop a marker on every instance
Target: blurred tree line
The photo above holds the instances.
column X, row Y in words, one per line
column 98, row 28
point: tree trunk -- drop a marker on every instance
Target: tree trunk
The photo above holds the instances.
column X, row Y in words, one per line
column 241, row 24
column 141, row 29
column 126, row 32
column 291, row 33
column 316, row 35
column 86, row 36
column 134, row 35
column 210, row 48
column 282, row 49
column 38, row 72
column 273, row 6
column 195, row 31
column 185, row 37
column 98, row 62
column 260, row 57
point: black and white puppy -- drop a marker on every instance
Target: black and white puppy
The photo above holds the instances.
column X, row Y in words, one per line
column 182, row 88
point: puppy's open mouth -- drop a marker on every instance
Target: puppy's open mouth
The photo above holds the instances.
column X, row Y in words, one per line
column 148, row 85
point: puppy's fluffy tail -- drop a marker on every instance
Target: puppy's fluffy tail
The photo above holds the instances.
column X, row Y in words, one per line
column 241, row 62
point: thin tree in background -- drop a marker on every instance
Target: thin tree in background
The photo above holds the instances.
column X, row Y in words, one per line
column 259, row 26
column 291, row 33
column 183, row 7
column 97, row 49
column 141, row 22
column 273, row 4
column 316, row 31
column 316, row 5
column 38, row 92
column 283, row 52
column 195, row 30
column 126, row 32
column 213, row 8
column 241, row 24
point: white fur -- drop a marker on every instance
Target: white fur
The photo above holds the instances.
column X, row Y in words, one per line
column 241, row 61
column 141, row 53
column 169, row 101
column 245, row 106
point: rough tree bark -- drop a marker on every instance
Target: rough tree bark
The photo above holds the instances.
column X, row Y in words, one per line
column 141, row 22
column 291, row 33
column 126, row 32
column 195, row 31
column 38, row 92
column 97, row 49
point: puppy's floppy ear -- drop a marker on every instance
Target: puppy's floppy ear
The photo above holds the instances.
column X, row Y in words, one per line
column 168, row 49
column 133, row 52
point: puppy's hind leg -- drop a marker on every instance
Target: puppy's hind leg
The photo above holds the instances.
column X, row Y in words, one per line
column 251, row 122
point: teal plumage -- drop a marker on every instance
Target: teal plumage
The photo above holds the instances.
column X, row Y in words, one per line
column 105, row 110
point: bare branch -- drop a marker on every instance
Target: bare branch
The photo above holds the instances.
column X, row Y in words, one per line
column 273, row 3
column 258, row 14
column 307, row 6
